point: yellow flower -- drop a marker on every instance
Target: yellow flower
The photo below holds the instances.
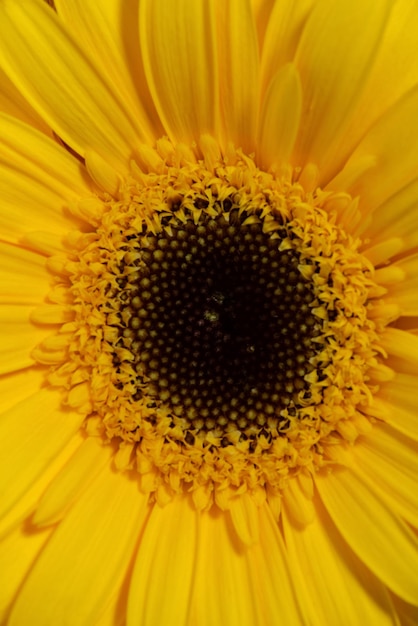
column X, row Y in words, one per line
column 209, row 311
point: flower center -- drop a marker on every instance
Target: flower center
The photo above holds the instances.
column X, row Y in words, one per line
column 219, row 320
column 220, row 331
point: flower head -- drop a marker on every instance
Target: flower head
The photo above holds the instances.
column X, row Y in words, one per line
column 208, row 372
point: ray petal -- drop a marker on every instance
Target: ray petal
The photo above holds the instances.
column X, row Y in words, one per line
column 178, row 47
column 38, row 180
column 38, row 428
column 389, row 149
column 18, row 552
column 280, row 118
column 20, row 336
column 336, row 587
column 375, row 533
column 169, row 537
column 390, row 463
column 397, row 401
column 67, row 91
column 333, row 79
column 109, row 33
column 238, row 61
column 23, row 276
column 90, row 550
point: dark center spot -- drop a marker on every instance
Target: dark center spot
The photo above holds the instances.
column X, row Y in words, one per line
column 218, row 321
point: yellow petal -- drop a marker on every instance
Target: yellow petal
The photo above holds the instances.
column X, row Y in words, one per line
column 391, row 143
column 238, row 63
column 262, row 12
column 31, row 434
column 398, row 400
column 397, row 217
column 408, row 614
column 73, row 478
column 226, row 569
column 280, row 118
column 405, row 292
column 244, row 516
column 375, row 533
column 392, row 74
column 221, row 573
column 108, row 31
column 334, row 57
column 38, row 180
column 170, row 533
column 60, row 82
column 13, row 103
column 18, row 552
column 23, row 276
column 19, row 337
column 286, row 20
column 299, row 506
column 402, row 348
column 27, row 503
column 87, row 557
column 27, row 381
column 389, row 462
column 178, row 48
column 268, row 563
column 335, row 585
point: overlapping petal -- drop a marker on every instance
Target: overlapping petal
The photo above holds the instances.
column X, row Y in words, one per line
column 178, row 45
column 84, row 111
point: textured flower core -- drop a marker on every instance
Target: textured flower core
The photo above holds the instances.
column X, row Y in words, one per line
column 218, row 321
column 219, row 324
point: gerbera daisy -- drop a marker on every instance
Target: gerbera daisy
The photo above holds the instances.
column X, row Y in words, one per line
column 209, row 310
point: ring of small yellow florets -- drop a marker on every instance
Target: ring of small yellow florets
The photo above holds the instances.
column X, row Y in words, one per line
column 169, row 442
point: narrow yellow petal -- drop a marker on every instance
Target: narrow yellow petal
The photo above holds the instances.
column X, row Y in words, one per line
column 262, row 11
column 390, row 144
column 336, row 587
column 398, row 401
column 109, row 33
column 23, row 276
column 222, row 573
column 386, row 82
column 389, row 461
column 38, row 180
column 19, row 337
column 27, row 381
column 268, row 561
column 332, row 78
column 165, row 561
column 286, row 20
column 13, row 103
column 18, row 552
column 178, row 47
column 379, row 538
column 74, row 477
column 89, row 551
column 379, row 252
column 68, row 91
column 402, row 348
column 27, row 503
column 280, row 118
column 405, row 292
column 397, row 217
column 226, row 569
column 238, row 61
column 244, row 516
column 299, row 506
column 408, row 614
column 31, row 434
